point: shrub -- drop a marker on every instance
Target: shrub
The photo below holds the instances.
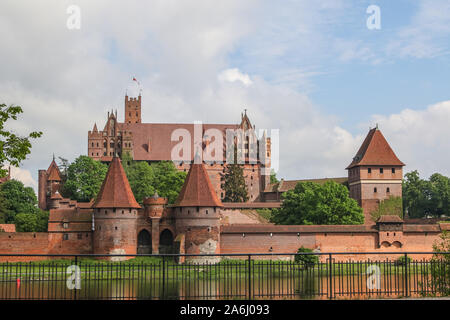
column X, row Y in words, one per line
column 401, row 261
column 307, row 259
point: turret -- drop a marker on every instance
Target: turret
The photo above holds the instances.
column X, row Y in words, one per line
column 115, row 214
column 133, row 109
column 197, row 214
column 375, row 174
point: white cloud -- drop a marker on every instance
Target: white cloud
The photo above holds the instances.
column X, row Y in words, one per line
column 232, row 75
column 24, row 176
column 420, row 138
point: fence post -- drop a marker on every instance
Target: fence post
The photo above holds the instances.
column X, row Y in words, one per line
column 330, row 273
column 75, row 289
column 406, row 275
column 249, row 278
column 164, row 278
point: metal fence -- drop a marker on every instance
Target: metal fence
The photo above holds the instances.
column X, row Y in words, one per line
column 238, row 276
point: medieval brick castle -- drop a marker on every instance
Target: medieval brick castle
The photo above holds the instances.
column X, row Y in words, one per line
column 199, row 222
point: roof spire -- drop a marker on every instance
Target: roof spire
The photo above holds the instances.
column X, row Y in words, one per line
column 197, row 190
column 115, row 191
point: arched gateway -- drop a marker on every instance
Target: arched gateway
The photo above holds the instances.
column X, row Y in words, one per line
column 144, row 242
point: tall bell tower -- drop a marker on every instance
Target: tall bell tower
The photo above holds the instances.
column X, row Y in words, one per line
column 133, row 109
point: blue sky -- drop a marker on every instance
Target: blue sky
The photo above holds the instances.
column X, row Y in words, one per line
column 311, row 69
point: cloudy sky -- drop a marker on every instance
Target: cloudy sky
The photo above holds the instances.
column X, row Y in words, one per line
column 312, row 69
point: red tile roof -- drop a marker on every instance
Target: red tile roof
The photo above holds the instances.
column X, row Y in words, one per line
column 153, row 141
column 390, row 219
column 8, row 227
column 115, row 191
column 375, row 150
column 197, row 190
column 53, row 173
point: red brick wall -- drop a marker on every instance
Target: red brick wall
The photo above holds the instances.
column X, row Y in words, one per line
column 23, row 243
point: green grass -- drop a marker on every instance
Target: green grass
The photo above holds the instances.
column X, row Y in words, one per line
column 226, row 269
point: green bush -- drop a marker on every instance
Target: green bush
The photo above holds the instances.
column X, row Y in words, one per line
column 307, row 259
column 401, row 261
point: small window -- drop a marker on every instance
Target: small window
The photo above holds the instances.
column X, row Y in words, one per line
column 206, row 211
column 65, row 225
column 79, row 236
column 65, row 236
column 388, row 190
column 115, row 228
column 381, row 170
column 369, row 170
column 375, row 190
column 393, row 170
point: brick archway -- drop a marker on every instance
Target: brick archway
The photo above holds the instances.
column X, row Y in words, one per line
column 166, row 241
column 144, row 242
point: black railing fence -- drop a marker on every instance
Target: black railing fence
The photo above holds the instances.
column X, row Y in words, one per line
column 240, row 276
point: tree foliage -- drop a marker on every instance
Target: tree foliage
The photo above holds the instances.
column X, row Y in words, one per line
column 313, row 203
column 391, row 206
column 84, row 179
column 19, row 206
column 13, row 148
column 423, row 198
column 161, row 177
column 233, row 183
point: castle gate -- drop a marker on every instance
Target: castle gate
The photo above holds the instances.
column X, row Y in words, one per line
column 166, row 242
column 144, row 242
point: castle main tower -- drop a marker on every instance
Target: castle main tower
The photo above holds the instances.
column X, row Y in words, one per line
column 133, row 109
column 375, row 173
column 115, row 214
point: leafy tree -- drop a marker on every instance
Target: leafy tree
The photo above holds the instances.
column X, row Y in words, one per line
column 440, row 271
column 414, row 195
column 439, row 191
column 161, row 177
column 423, row 198
column 32, row 222
column 308, row 260
column 233, row 183
column 313, row 203
column 63, row 166
column 84, row 179
column 390, row 206
column 168, row 180
column 142, row 180
column 13, row 148
column 19, row 206
column 273, row 177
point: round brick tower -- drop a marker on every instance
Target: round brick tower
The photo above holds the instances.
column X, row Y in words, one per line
column 115, row 214
column 197, row 214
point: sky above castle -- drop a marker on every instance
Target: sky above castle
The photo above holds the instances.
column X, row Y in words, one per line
column 312, row 69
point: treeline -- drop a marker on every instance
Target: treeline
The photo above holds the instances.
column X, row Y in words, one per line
column 426, row 198
column 18, row 205
column 82, row 179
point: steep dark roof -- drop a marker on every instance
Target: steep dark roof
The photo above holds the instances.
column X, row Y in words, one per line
column 197, row 190
column 53, row 173
column 115, row 191
column 375, row 150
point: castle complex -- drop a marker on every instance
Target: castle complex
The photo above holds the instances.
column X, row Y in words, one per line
column 199, row 222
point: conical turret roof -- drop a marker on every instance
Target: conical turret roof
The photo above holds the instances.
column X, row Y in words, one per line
column 375, row 150
column 197, row 190
column 53, row 173
column 115, row 191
